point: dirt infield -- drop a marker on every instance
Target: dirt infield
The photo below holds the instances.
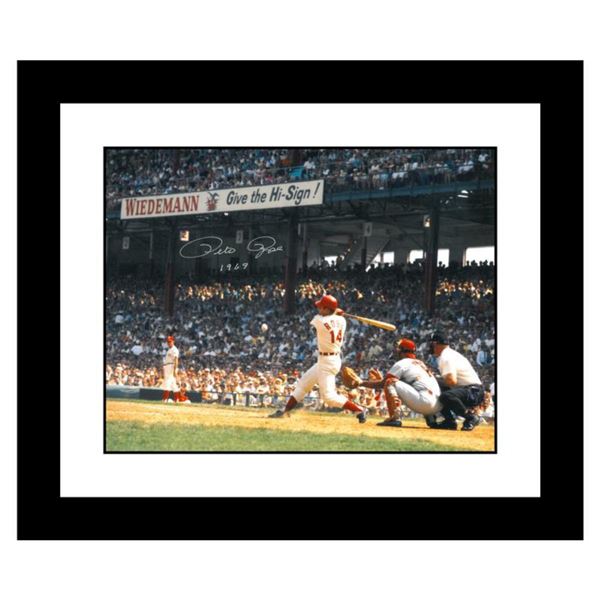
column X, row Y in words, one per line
column 155, row 413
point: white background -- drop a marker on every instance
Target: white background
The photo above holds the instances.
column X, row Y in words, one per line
column 435, row 30
column 85, row 129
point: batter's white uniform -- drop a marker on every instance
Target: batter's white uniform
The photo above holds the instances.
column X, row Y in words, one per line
column 418, row 387
column 169, row 381
column 330, row 338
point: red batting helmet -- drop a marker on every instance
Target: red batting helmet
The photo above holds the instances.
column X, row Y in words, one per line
column 170, row 339
column 327, row 302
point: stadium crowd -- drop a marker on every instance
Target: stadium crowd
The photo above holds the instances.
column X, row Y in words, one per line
column 147, row 171
column 224, row 352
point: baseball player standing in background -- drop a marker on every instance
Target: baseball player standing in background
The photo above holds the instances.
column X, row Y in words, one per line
column 464, row 392
column 170, row 365
column 331, row 328
column 409, row 382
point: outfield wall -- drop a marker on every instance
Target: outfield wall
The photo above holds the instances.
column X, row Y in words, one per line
column 129, row 392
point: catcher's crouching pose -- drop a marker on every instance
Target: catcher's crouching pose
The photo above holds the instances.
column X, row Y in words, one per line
column 408, row 382
column 331, row 329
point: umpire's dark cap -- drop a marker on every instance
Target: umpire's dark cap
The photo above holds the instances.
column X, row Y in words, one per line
column 439, row 337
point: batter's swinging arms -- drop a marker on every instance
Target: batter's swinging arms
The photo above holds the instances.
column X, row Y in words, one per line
column 331, row 328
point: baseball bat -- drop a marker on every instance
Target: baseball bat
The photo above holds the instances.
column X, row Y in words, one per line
column 373, row 322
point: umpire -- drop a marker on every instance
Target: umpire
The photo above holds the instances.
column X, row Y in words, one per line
column 462, row 390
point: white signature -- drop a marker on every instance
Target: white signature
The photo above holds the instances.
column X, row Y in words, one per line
column 209, row 244
column 258, row 247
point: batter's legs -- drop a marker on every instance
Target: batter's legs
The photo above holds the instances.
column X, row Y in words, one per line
column 324, row 375
column 291, row 404
column 329, row 395
column 304, row 385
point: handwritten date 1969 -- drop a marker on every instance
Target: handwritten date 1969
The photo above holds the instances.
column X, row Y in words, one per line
column 239, row 267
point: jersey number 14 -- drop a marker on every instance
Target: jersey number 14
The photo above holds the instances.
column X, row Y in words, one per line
column 337, row 337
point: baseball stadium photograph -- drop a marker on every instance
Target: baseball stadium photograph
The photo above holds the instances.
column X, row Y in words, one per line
column 330, row 300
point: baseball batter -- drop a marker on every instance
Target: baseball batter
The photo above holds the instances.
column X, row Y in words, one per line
column 409, row 382
column 170, row 365
column 330, row 327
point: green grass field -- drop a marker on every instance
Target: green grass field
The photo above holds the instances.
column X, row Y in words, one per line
column 145, row 426
column 129, row 435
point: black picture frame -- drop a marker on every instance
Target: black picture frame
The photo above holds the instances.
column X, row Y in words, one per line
column 43, row 514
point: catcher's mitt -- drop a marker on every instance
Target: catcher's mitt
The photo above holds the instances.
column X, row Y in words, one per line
column 350, row 377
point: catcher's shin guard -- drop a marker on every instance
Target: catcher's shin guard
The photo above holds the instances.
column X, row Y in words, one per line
column 391, row 398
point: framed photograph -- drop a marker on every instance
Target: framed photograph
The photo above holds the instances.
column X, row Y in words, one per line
column 285, row 305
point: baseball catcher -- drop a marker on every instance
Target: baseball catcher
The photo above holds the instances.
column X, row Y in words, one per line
column 409, row 382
